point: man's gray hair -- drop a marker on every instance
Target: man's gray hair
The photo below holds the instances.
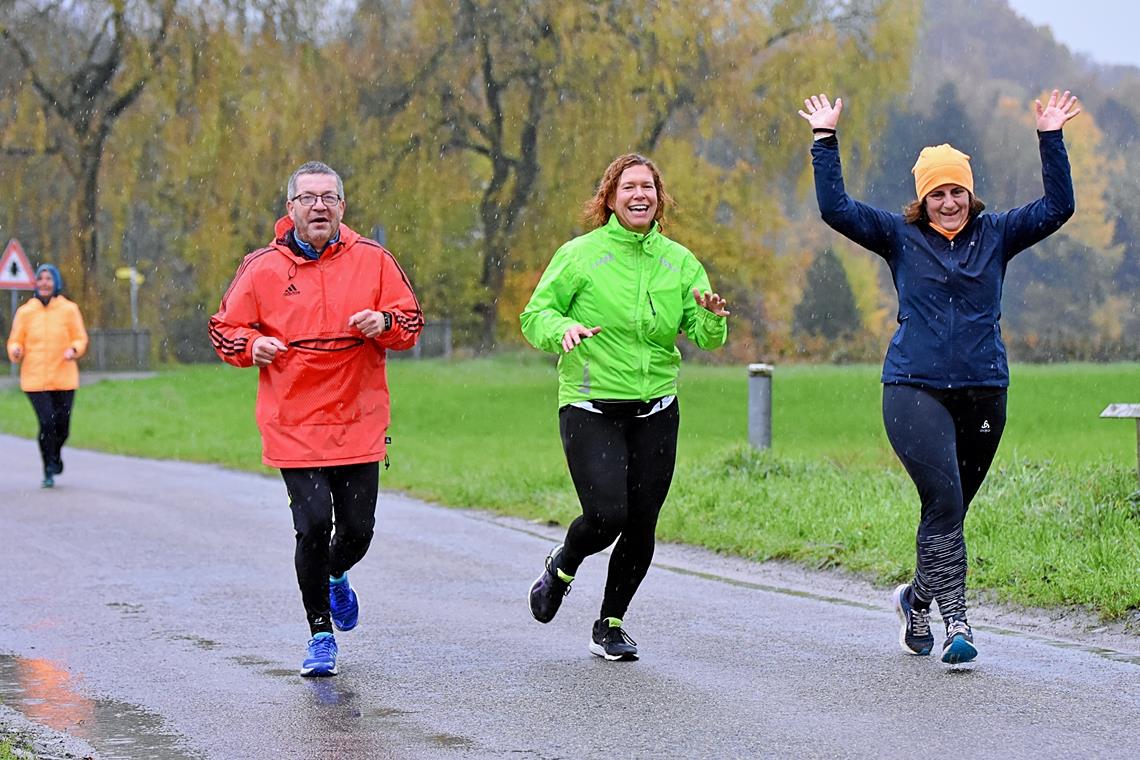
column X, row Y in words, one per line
column 313, row 167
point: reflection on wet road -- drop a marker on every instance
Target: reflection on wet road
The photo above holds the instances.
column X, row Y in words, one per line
column 43, row 692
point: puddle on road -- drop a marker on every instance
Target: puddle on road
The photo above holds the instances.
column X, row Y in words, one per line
column 43, row 692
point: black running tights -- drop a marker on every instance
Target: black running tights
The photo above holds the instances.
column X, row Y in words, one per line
column 946, row 440
column 53, row 408
column 622, row 469
column 321, row 497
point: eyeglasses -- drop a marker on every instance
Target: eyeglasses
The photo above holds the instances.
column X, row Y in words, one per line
column 308, row 199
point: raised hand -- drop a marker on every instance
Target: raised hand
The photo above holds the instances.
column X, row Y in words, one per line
column 1057, row 112
column 575, row 334
column 712, row 302
column 820, row 113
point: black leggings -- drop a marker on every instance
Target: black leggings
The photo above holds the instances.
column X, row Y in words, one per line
column 316, row 496
column 53, row 408
column 946, row 440
column 622, row 469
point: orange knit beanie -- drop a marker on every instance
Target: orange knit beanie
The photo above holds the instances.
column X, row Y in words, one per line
column 941, row 165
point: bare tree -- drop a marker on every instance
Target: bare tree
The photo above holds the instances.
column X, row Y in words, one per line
column 124, row 46
column 477, row 119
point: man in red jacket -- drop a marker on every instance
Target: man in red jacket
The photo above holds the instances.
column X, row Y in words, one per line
column 317, row 310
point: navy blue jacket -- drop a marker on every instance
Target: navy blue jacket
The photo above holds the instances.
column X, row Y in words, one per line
column 949, row 290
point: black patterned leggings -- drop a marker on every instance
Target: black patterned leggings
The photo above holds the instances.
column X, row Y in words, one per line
column 946, row 440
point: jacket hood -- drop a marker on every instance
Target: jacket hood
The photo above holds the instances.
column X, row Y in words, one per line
column 284, row 226
column 54, row 271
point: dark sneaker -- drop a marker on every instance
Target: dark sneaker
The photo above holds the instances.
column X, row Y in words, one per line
column 547, row 591
column 321, row 660
column 915, row 636
column 48, row 481
column 959, row 645
column 344, row 605
column 56, row 468
column 610, row 640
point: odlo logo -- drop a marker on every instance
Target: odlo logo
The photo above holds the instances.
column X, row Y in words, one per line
column 985, row 426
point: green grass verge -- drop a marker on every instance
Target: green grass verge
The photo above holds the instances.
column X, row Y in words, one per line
column 1055, row 523
column 10, row 747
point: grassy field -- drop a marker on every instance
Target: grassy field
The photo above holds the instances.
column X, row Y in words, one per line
column 14, row 749
column 1055, row 523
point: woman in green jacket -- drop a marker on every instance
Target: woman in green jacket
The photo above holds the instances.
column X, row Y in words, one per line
column 611, row 304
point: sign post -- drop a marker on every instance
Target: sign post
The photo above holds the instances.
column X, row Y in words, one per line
column 16, row 274
column 136, row 279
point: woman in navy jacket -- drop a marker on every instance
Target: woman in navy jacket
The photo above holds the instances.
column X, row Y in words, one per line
column 945, row 374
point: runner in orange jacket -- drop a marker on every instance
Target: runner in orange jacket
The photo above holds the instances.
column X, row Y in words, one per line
column 317, row 310
column 47, row 339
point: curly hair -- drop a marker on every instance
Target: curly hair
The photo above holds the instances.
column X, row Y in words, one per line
column 596, row 211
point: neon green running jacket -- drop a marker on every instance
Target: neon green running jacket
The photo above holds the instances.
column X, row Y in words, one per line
column 639, row 289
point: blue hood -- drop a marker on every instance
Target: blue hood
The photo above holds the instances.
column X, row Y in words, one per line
column 54, row 270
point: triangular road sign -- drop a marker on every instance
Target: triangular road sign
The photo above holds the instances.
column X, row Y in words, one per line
column 16, row 272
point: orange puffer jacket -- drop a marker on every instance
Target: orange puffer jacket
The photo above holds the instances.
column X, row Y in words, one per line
column 324, row 401
column 44, row 333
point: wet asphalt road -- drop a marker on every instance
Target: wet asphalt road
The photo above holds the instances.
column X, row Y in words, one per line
column 150, row 608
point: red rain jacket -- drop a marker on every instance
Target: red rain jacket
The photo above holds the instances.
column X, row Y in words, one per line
column 323, row 402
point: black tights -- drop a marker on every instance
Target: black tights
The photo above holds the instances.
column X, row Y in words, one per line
column 622, row 469
column 946, row 440
column 317, row 495
column 53, row 408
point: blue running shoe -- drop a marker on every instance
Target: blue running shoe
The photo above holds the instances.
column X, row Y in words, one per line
column 344, row 605
column 321, row 661
column 48, row 480
column 959, row 645
column 915, row 636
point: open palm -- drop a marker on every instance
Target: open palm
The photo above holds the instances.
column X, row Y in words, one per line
column 1057, row 112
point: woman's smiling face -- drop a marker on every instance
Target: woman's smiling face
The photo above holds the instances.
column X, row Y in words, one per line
column 635, row 199
column 948, row 206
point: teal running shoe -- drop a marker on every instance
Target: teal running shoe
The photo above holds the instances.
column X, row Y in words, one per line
column 959, row 645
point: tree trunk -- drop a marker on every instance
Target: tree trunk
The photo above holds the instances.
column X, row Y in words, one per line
column 88, row 201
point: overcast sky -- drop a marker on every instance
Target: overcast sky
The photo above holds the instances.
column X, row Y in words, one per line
column 1104, row 30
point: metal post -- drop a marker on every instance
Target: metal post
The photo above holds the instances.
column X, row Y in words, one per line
column 1138, row 447
column 134, row 299
column 15, row 370
column 760, row 406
